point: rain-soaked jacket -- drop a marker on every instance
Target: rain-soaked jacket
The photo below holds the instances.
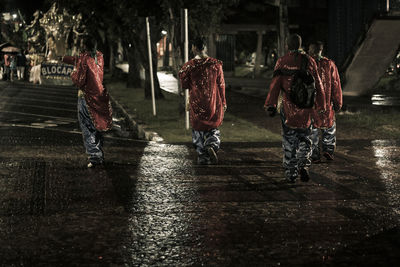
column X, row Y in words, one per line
column 205, row 80
column 88, row 77
column 330, row 78
column 295, row 117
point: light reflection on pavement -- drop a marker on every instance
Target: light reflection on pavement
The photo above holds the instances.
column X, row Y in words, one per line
column 386, row 153
column 160, row 199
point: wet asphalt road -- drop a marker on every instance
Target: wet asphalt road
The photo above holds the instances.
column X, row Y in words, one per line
column 151, row 205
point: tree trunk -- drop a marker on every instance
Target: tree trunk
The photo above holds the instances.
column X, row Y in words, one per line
column 166, row 53
column 283, row 27
column 176, row 54
column 111, row 64
column 257, row 63
column 134, row 79
column 173, row 31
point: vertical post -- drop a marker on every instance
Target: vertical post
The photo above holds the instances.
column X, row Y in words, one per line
column 151, row 66
column 387, row 6
column 186, row 60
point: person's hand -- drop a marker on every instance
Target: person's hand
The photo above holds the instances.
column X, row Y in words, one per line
column 225, row 108
column 272, row 111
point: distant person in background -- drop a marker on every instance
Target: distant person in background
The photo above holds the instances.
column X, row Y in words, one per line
column 329, row 74
column 7, row 66
column 2, row 68
column 296, row 122
column 21, row 62
column 204, row 78
column 94, row 108
column 13, row 67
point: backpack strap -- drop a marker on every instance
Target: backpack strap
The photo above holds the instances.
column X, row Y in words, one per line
column 304, row 63
column 287, row 72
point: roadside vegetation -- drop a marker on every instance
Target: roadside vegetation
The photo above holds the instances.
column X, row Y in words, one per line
column 369, row 124
column 376, row 122
column 169, row 123
column 389, row 84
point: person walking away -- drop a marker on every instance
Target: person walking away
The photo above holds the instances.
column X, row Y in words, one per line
column 13, row 67
column 94, row 108
column 296, row 121
column 204, row 77
column 2, row 70
column 329, row 74
column 7, row 66
column 21, row 62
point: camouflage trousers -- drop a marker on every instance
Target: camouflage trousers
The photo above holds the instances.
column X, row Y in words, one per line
column 297, row 148
column 328, row 141
column 203, row 139
column 92, row 138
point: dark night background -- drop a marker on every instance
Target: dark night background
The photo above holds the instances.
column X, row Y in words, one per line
column 338, row 23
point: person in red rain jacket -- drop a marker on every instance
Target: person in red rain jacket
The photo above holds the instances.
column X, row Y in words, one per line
column 7, row 62
column 94, row 108
column 330, row 78
column 204, row 78
column 296, row 122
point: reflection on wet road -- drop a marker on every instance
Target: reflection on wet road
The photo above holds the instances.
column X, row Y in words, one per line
column 151, row 205
column 387, row 154
column 158, row 220
column 385, row 100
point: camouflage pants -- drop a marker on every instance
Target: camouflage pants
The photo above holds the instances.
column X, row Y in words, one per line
column 92, row 138
column 297, row 148
column 328, row 141
column 203, row 139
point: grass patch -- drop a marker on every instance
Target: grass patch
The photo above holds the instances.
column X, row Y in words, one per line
column 170, row 124
column 248, row 72
column 385, row 124
column 243, row 71
column 387, row 84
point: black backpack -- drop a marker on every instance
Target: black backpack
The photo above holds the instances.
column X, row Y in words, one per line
column 302, row 91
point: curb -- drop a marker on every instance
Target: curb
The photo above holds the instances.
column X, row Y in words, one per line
column 139, row 129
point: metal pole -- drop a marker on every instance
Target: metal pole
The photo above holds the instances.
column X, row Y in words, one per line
column 151, row 66
column 186, row 60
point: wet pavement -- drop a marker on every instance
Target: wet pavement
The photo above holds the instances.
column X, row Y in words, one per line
column 151, row 205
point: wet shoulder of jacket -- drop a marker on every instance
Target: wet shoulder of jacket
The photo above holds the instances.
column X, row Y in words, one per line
column 214, row 61
column 187, row 66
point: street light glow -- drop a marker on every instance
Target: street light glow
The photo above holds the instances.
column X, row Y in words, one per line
column 164, row 32
column 6, row 16
column 14, row 16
